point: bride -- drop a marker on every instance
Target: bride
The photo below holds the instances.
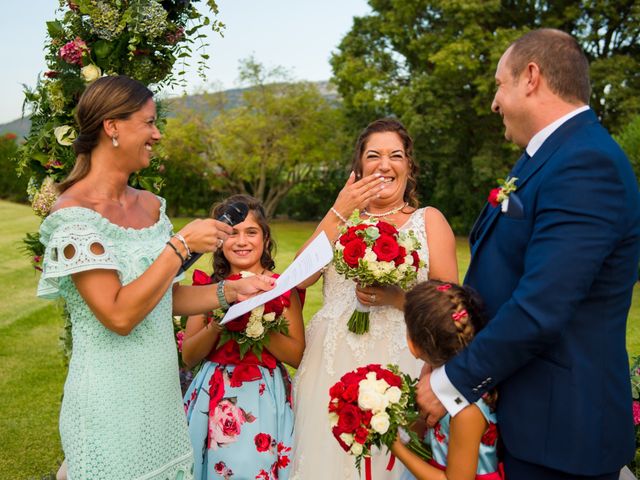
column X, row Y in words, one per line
column 382, row 186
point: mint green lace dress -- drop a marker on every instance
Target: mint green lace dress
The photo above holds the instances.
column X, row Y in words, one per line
column 122, row 415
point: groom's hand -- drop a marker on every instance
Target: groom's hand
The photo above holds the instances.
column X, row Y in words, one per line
column 429, row 405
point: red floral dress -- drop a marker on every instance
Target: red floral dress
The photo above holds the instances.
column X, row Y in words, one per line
column 239, row 412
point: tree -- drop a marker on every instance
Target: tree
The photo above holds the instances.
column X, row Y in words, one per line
column 275, row 139
column 432, row 63
column 629, row 140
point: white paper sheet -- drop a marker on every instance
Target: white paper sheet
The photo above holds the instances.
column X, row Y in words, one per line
column 317, row 254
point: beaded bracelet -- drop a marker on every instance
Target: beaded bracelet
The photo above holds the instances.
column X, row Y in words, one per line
column 184, row 242
column 342, row 219
column 182, row 260
column 221, row 298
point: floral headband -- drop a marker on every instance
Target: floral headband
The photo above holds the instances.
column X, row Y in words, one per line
column 444, row 287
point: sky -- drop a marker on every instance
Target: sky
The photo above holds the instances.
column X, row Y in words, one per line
column 296, row 34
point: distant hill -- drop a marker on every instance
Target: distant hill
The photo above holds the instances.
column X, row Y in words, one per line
column 198, row 102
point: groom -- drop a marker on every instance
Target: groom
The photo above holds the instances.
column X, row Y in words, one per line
column 556, row 265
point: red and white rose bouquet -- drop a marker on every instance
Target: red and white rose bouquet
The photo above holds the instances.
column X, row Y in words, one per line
column 367, row 407
column 251, row 330
column 375, row 253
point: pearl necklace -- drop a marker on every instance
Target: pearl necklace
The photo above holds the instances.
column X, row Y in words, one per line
column 380, row 215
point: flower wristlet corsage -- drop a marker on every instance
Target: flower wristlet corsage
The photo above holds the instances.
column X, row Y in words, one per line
column 500, row 195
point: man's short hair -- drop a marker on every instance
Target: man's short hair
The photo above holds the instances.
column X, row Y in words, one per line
column 560, row 59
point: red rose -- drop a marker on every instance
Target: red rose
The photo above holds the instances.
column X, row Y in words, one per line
column 283, row 461
column 336, row 390
column 350, row 235
column 334, row 406
column 366, row 418
column 349, row 418
column 353, row 377
column 491, row 435
column 386, row 228
column 351, row 393
column 239, row 324
column 216, row 388
column 416, row 259
column 386, row 248
column 263, row 442
column 353, row 252
column 493, row 197
column 391, row 378
column 336, row 433
column 399, row 260
column 361, row 435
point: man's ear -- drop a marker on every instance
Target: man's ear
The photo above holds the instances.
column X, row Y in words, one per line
column 532, row 77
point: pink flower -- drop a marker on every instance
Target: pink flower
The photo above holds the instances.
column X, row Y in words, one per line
column 72, row 51
column 225, row 424
column 261, row 389
column 636, row 413
column 179, row 339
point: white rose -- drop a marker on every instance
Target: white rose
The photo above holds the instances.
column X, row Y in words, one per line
column 380, row 422
column 406, row 242
column 333, row 419
column 90, row 73
column 269, row 317
column 369, row 399
column 370, row 256
column 254, row 330
column 393, row 394
column 346, row 438
column 356, row 449
column 256, row 314
column 65, row 135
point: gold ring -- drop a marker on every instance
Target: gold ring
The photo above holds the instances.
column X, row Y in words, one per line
column 373, row 297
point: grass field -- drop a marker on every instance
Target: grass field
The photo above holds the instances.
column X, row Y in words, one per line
column 31, row 367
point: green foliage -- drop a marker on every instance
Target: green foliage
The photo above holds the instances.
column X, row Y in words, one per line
column 432, row 63
column 139, row 38
column 277, row 138
column 12, row 186
column 629, row 140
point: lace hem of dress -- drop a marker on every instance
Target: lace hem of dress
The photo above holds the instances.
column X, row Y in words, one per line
column 180, row 468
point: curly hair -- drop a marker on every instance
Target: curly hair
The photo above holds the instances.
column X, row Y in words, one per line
column 442, row 318
column 383, row 125
column 221, row 266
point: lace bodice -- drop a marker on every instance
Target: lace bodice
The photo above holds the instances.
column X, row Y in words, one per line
column 386, row 323
column 122, row 413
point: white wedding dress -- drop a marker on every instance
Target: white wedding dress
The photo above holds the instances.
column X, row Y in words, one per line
column 331, row 351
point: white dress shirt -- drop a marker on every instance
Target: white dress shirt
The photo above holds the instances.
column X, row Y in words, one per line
column 449, row 395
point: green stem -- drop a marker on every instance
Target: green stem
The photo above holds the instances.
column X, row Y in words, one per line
column 359, row 322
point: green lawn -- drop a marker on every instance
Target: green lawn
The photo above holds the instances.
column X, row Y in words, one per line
column 31, row 367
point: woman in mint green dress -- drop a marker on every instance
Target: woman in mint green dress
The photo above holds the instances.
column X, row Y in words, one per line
column 110, row 254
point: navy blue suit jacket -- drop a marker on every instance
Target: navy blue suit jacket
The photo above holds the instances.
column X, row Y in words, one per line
column 556, row 272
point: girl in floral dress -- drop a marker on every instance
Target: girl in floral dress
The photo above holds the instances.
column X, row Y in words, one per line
column 442, row 318
column 239, row 404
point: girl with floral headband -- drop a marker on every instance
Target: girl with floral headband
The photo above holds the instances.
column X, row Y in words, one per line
column 442, row 318
column 239, row 404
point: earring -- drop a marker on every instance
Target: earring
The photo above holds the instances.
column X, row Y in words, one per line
column 114, row 141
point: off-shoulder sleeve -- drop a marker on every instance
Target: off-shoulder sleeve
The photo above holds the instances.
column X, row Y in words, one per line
column 76, row 238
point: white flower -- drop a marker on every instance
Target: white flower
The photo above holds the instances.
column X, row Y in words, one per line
column 256, row 314
column 370, row 256
column 90, row 73
column 333, row 419
column 254, row 330
column 369, row 399
column 356, row 449
column 346, row 438
column 65, row 135
column 269, row 317
column 380, row 269
column 338, row 246
column 380, row 422
column 405, row 241
column 403, row 268
column 246, row 274
column 393, row 394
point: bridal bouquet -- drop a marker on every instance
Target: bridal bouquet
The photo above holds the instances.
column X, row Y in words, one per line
column 367, row 407
column 251, row 330
column 375, row 253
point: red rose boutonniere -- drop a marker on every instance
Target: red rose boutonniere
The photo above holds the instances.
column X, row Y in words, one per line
column 500, row 195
